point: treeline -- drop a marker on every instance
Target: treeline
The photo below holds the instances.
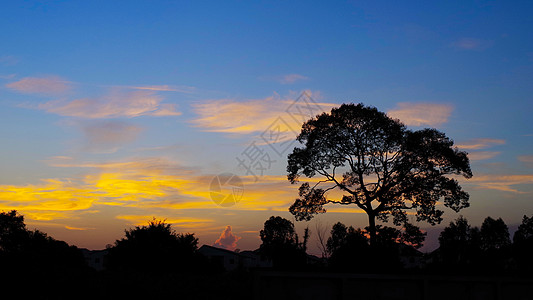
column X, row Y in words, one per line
column 154, row 260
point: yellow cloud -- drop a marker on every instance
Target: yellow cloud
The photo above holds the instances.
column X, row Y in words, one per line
column 420, row 114
column 50, row 85
column 148, row 184
column 77, row 228
column 284, row 116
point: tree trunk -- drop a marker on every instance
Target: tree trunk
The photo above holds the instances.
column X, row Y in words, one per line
column 372, row 228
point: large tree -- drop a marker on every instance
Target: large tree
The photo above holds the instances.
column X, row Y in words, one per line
column 378, row 165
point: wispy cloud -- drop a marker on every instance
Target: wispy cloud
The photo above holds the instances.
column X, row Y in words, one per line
column 150, row 184
column 527, row 159
column 8, row 60
column 116, row 104
column 482, row 155
column 139, row 220
column 78, row 228
column 292, row 78
column 254, row 116
column 481, row 143
column 50, row 85
column 108, row 136
column 506, row 183
column 227, row 239
column 421, row 114
column 51, row 199
column 471, row 44
column 165, row 88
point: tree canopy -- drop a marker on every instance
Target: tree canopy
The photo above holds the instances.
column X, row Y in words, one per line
column 155, row 247
column 378, row 165
column 280, row 243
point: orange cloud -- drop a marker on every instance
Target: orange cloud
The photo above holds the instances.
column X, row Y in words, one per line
column 116, row 104
column 477, row 144
column 227, row 239
column 139, row 220
column 51, row 85
column 420, row 114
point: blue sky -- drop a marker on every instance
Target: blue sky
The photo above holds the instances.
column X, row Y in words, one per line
column 155, row 98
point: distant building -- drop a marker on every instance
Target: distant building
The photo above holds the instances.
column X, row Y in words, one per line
column 95, row 258
column 231, row 260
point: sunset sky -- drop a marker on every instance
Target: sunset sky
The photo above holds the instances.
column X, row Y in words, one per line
column 114, row 112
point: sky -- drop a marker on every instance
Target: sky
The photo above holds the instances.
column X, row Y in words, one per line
column 116, row 112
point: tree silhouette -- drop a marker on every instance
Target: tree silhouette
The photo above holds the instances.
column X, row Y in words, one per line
column 33, row 253
column 459, row 245
column 523, row 245
column 280, row 243
column 154, row 248
column 494, row 234
column 13, row 232
column 379, row 165
column 348, row 249
column 495, row 244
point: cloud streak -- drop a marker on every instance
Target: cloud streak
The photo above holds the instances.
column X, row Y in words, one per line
column 292, row 78
column 421, row 114
column 471, row 44
column 113, row 105
column 254, row 116
column 50, row 85
column 108, row 136
column 150, row 184
column 477, row 144
column 505, row 183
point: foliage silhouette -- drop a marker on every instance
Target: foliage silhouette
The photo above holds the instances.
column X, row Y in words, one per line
column 494, row 235
column 280, row 243
column 523, row 245
column 459, row 245
column 25, row 254
column 386, row 169
column 495, row 245
column 350, row 248
column 155, row 248
column 34, row 250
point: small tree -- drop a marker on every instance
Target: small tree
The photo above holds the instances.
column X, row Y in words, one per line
column 379, row 165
